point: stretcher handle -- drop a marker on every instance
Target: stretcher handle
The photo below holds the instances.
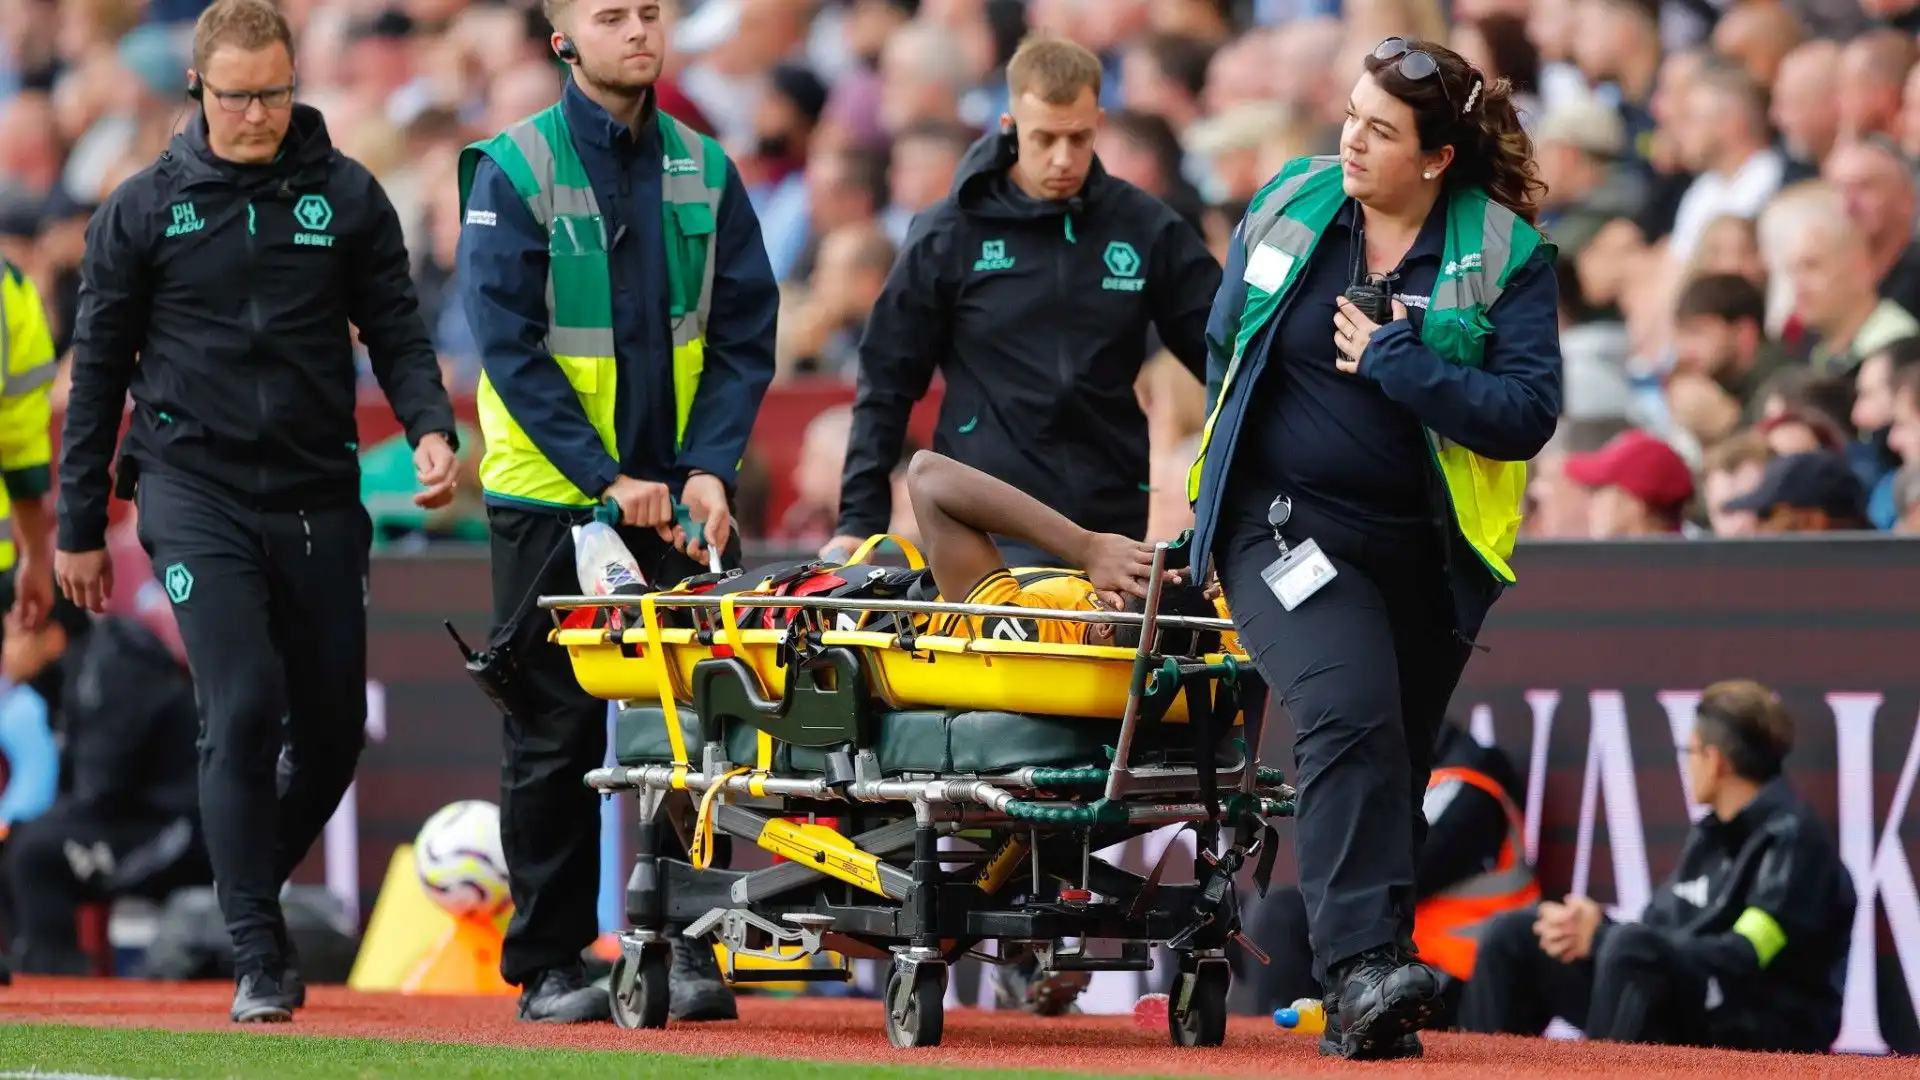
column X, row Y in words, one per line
column 608, row 513
column 872, row 543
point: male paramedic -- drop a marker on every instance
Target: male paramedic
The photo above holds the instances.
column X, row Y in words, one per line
column 1744, row 947
column 1032, row 288
column 26, row 451
column 613, row 273
column 218, row 285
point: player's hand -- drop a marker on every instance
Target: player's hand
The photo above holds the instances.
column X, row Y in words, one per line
column 643, row 504
column 85, row 577
column 437, row 470
column 841, row 548
column 1118, row 564
column 706, row 499
column 32, row 593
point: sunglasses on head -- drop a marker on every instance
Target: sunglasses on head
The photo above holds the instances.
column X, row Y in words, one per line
column 1415, row 65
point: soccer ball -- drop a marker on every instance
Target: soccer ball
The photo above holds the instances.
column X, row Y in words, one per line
column 460, row 862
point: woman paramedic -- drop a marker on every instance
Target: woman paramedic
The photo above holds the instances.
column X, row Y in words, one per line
column 1385, row 359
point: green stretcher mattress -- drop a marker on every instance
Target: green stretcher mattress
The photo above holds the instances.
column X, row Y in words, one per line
column 914, row 741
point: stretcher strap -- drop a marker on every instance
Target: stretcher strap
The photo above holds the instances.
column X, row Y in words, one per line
column 867, row 547
column 700, row 850
column 669, row 708
column 730, row 621
column 1200, row 717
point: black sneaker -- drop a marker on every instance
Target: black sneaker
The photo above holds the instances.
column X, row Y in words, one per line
column 563, row 995
column 259, row 997
column 1380, row 1001
column 1021, row 985
column 696, row 990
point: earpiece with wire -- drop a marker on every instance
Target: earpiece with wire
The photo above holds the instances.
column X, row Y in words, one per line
column 566, row 51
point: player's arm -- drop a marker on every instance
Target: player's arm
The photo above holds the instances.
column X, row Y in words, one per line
column 958, row 509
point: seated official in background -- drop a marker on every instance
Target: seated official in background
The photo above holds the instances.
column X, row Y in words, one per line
column 960, row 509
column 1473, row 867
column 127, row 819
column 1745, row 946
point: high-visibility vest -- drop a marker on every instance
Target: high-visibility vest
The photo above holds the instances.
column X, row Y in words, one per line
column 539, row 158
column 1447, row 925
column 27, row 369
column 1486, row 243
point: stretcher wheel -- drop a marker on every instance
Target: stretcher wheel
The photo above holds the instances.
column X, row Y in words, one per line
column 1202, row 1020
column 638, row 987
column 916, row 1006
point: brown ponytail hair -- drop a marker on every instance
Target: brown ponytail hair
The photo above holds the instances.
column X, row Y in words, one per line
column 1476, row 116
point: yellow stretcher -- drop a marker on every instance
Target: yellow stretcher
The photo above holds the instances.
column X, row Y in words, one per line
column 873, row 761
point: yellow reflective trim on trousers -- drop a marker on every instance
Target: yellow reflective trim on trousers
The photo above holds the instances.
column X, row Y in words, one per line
column 1763, row 933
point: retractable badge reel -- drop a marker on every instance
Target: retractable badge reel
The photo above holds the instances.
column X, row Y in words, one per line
column 1301, row 570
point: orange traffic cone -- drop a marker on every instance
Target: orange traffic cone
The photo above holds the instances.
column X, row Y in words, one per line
column 465, row 961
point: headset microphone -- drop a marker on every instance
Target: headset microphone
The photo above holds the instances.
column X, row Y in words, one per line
column 194, row 89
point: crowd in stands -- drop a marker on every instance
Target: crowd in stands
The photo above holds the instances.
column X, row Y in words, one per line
column 1731, row 188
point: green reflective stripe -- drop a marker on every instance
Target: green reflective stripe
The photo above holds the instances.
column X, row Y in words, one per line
column 580, row 341
column 1763, row 933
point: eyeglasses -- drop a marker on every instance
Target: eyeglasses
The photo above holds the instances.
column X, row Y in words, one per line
column 238, row 101
column 1416, row 65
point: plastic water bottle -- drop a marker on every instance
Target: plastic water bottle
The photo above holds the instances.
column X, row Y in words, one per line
column 606, row 568
column 1308, row 1016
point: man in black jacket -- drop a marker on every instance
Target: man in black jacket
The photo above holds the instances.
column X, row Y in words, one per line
column 231, row 269
column 1031, row 288
column 1744, row 947
column 127, row 820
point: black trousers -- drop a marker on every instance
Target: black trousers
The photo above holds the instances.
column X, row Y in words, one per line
column 1636, row 987
column 272, row 610
column 1365, row 667
column 549, row 818
column 70, row 856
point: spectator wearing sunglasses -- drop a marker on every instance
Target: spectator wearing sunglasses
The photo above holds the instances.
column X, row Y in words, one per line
column 1385, row 356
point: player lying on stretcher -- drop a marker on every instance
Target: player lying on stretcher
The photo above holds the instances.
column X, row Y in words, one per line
column 959, row 508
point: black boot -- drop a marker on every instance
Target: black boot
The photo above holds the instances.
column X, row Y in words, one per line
column 1378, row 1002
column 696, row 990
column 259, row 997
column 563, row 995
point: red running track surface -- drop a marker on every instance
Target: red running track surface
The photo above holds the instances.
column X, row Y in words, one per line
column 850, row 1030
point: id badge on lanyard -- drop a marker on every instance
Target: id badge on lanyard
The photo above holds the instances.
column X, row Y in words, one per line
column 1302, row 569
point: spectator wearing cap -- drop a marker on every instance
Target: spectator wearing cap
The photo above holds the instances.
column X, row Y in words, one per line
column 1580, row 144
column 1734, row 468
column 1876, row 186
column 1639, row 486
column 1724, row 140
column 775, row 170
column 1807, row 492
column 1830, row 270
column 1803, row 109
